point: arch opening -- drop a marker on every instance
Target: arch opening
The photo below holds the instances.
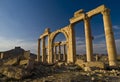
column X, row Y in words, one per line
column 59, row 47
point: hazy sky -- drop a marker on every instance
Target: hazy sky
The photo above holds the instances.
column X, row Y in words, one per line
column 22, row 22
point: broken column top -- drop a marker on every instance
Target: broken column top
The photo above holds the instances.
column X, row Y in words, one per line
column 47, row 30
column 77, row 13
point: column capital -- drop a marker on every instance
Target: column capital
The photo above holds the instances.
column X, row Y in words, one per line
column 86, row 18
column 106, row 11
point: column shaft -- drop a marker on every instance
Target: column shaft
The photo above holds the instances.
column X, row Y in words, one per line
column 89, row 47
column 64, row 54
column 55, row 54
column 110, row 42
column 43, row 50
column 50, row 50
column 38, row 56
column 71, row 46
column 59, row 53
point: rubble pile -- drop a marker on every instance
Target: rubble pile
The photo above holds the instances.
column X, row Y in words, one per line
column 23, row 68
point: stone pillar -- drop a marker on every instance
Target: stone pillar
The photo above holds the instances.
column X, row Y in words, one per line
column 64, row 54
column 88, row 37
column 50, row 50
column 55, row 50
column 110, row 42
column 96, row 57
column 2, row 55
column 59, row 52
column 38, row 56
column 43, row 51
column 71, row 57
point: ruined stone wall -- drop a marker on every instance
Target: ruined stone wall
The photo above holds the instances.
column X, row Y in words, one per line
column 3, row 55
column 27, row 54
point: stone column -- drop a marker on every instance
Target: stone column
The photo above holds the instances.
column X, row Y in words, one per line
column 64, row 54
column 38, row 56
column 88, row 37
column 43, row 50
column 2, row 55
column 55, row 50
column 50, row 50
column 71, row 57
column 110, row 42
column 59, row 52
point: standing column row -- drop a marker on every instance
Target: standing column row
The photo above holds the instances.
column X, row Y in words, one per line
column 110, row 41
column 59, row 56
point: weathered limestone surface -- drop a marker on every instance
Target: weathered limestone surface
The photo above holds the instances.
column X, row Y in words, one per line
column 110, row 42
column 30, row 64
column 69, row 33
column 1, row 55
column 23, row 62
column 12, row 61
column 27, row 54
column 88, row 36
column 43, row 50
column 86, row 65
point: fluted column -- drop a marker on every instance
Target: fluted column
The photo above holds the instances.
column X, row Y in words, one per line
column 43, row 50
column 88, row 37
column 38, row 56
column 110, row 42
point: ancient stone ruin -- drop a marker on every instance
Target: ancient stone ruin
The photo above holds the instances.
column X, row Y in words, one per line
column 58, row 62
column 70, row 44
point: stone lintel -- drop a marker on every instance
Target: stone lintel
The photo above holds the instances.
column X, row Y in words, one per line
column 96, row 11
column 43, row 35
column 77, row 19
column 60, row 43
column 63, row 43
column 46, row 32
column 79, row 15
column 79, row 12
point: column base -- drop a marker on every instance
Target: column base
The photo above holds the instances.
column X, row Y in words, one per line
column 89, row 60
column 112, row 63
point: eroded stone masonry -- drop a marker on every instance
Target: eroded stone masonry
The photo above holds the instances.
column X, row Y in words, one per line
column 69, row 54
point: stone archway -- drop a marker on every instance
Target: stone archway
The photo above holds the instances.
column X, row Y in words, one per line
column 68, row 31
